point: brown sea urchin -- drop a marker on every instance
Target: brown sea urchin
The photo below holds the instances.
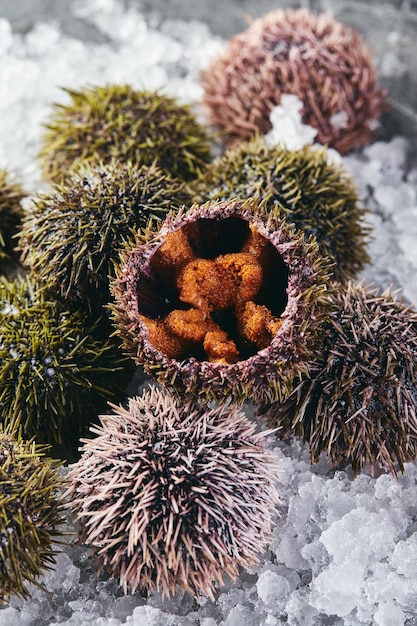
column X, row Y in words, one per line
column 106, row 122
column 71, row 235
column 323, row 62
column 30, row 513
column 359, row 404
column 303, row 187
column 223, row 300
column 174, row 495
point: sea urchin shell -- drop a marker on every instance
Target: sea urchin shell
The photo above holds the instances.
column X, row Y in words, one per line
column 29, row 513
column 174, row 495
column 326, row 64
column 55, row 373
column 71, row 236
column 359, row 404
column 222, row 301
column 108, row 122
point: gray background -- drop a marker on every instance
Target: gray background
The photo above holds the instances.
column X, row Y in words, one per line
column 390, row 29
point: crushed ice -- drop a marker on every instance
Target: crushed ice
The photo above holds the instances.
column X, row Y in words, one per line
column 344, row 552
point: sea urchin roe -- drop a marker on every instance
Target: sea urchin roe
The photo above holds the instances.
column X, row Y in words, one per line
column 219, row 308
column 258, row 324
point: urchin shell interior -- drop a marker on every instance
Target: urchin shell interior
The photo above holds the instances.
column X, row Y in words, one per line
column 219, row 303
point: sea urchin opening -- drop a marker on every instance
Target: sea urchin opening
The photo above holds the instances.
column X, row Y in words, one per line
column 220, row 296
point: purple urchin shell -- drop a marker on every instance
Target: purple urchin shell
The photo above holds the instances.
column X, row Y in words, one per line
column 289, row 302
column 359, row 403
column 172, row 495
column 323, row 62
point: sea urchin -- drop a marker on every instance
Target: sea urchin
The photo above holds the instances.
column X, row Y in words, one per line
column 359, row 403
column 174, row 495
column 223, row 300
column 323, row 62
column 55, row 373
column 71, row 235
column 107, row 122
column 30, row 513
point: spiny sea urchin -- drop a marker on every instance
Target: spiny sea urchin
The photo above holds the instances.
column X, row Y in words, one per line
column 11, row 213
column 71, row 236
column 55, row 374
column 29, row 513
column 107, row 122
column 224, row 300
column 323, row 62
column 359, row 403
column 172, row 495
column 302, row 186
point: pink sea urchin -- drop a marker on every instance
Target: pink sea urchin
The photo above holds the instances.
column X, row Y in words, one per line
column 173, row 495
column 323, row 62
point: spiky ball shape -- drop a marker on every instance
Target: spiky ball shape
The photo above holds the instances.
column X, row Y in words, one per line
column 116, row 121
column 172, row 495
column 55, row 374
column 323, row 62
column 301, row 186
column 11, row 213
column 71, row 235
column 223, row 300
column 30, row 513
column 359, row 405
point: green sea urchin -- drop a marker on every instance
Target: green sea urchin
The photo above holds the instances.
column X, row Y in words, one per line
column 323, row 62
column 11, row 213
column 359, row 404
column 55, row 374
column 319, row 197
column 108, row 122
column 172, row 495
column 79, row 226
column 223, row 300
column 29, row 513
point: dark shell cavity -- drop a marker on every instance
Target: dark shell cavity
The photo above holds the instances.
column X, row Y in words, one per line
column 209, row 238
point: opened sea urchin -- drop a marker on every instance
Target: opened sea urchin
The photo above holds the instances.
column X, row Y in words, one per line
column 223, row 300
column 323, row 62
column 174, row 495
column 107, row 122
column 55, row 374
column 359, row 403
column 301, row 186
column 29, row 513
column 71, row 236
